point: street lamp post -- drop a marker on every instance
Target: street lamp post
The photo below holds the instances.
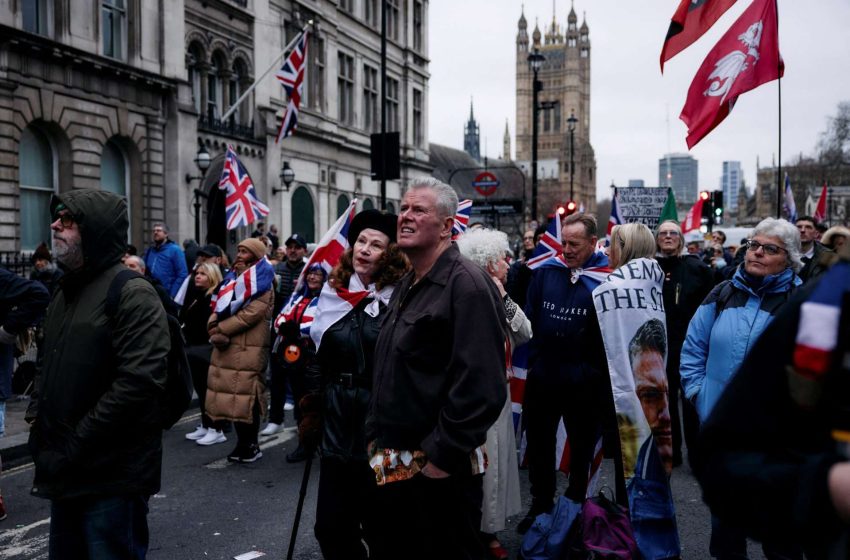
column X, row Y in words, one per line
column 535, row 61
column 571, row 126
column 287, row 176
column 202, row 160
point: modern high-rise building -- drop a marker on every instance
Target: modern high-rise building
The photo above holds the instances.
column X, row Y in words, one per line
column 680, row 171
column 565, row 76
column 730, row 184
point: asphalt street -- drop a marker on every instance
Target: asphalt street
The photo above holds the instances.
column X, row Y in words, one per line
column 211, row 509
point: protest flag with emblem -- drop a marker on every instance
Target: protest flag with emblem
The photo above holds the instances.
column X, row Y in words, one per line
column 746, row 57
column 242, row 207
column 690, row 21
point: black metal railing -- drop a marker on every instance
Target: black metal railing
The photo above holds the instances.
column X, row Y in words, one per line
column 19, row 263
column 229, row 127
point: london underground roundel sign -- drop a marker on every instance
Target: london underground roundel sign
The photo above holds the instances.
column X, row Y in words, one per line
column 485, row 183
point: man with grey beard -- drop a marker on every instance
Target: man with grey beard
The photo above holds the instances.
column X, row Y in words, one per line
column 96, row 440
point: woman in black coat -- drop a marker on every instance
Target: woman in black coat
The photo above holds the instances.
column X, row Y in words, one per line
column 345, row 331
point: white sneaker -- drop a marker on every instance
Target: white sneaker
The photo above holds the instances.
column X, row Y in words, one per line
column 212, row 437
column 199, row 432
column 288, row 406
column 271, row 429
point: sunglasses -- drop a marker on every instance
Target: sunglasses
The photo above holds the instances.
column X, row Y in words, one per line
column 768, row 248
column 66, row 219
column 668, row 233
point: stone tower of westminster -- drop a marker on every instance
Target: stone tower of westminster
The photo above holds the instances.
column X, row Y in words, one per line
column 565, row 75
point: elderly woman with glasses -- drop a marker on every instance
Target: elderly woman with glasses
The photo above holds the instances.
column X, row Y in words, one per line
column 726, row 326
column 687, row 280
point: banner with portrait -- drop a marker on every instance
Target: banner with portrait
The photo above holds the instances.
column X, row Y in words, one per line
column 630, row 308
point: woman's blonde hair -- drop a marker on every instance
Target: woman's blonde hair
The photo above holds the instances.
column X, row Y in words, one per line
column 635, row 240
column 213, row 272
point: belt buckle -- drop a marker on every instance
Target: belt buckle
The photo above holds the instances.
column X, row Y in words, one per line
column 347, row 380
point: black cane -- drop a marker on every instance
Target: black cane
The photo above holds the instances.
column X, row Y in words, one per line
column 301, row 495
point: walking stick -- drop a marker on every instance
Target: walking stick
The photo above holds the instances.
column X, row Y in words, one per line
column 301, row 495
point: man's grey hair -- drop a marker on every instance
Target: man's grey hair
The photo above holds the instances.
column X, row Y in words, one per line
column 163, row 225
column 788, row 233
column 140, row 262
column 483, row 246
column 446, row 196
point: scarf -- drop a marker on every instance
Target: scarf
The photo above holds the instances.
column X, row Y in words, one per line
column 236, row 291
column 594, row 271
column 335, row 303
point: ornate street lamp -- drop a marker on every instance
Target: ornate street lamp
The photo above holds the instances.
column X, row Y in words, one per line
column 535, row 61
column 287, row 176
column 571, row 126
column 202, row 160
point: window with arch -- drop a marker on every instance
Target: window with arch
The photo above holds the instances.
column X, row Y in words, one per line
column 114, row 172
column 215, row 92
column 37, row 161
column 303, row 220
column 368, row 204
column 113, row 27
column 195, row 64
column 342, row 203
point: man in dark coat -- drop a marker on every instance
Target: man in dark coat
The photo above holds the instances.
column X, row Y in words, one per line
column 96, row 440
column 811, row 248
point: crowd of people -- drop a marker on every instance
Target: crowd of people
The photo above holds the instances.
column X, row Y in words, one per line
column 396, row 364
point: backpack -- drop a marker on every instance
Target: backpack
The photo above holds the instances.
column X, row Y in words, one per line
column 178, row 383
column 547, row 538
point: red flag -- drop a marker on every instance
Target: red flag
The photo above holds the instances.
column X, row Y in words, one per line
column 694, row 218
column 820, row 212
column 746, row 57
column 691, row 20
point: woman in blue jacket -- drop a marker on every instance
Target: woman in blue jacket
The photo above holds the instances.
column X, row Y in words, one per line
column 727, row 325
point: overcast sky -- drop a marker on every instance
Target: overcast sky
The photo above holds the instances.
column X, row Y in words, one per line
column 473, row 54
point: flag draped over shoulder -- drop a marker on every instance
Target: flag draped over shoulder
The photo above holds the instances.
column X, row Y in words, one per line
column 242, row 207
column 464, row 211
column 690, row 21
column 332, row 245
column 335, row 303
column 291, row 76
column 790, row 205
column 236, row 291
column 746, row 57
column 631, row 317
column 693, row 220
column 820, row 211
column 549, row 245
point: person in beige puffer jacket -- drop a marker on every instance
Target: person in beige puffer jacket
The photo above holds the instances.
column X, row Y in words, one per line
column 236, row 381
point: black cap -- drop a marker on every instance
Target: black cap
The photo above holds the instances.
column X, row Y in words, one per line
column 297, row 239
column 373, row 219
column 210, row 250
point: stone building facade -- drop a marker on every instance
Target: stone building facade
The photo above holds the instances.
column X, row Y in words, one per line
column 121, row 94
column 565, row 74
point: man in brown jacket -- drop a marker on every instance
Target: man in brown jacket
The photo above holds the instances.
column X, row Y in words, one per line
column 239, row 333
column 438, row 386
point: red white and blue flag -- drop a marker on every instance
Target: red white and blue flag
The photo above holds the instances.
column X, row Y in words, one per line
column 242, row 207
column 549, row 246
column 464, row 211
column 790, row 205
column 336, row 302
column 616, row 218
column 235, row 291
column 332, row 245
column 291, row 76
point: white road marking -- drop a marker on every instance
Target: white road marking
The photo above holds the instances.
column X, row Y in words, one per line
column 15, row 543
column 279, row 438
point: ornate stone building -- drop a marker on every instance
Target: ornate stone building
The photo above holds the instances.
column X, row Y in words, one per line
column 565, row 75
column 472, row 136
column 121, row 95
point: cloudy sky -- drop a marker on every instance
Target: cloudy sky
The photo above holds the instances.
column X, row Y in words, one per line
column 473, row 54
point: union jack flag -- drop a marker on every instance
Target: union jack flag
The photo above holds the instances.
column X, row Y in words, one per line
column 464, row 211
column 291, row 76
column 332, row 245
column 236, row 291
column 242, row 207
column 616, row 218
column 549, row 246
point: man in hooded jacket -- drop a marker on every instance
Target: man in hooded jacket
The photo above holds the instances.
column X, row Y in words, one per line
column 96, row 440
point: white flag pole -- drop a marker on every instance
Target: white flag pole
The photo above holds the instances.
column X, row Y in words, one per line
column 266, row 73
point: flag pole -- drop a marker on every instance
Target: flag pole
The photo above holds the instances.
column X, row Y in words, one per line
column 266, row 73
column 779, row 181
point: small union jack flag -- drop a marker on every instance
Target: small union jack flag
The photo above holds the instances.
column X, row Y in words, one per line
column 241, row 203
column 549, row 246
column 332, row 245
column 291, row 76
column 464, row 211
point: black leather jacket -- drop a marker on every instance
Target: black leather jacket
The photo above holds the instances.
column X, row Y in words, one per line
column 342, row 371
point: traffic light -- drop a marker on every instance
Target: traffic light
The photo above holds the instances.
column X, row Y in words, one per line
column 571, row 208
column 718, row 206
column 705, row 196
column 561, row 210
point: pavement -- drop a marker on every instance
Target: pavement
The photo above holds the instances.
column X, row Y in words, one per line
column 13, row 445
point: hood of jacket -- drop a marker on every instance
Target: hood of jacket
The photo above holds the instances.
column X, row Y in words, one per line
column 103, row 222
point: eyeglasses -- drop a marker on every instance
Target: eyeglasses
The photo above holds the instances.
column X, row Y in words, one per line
column 672, row 233
column 528, row 238
column 66, row 219
column 768, row 248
